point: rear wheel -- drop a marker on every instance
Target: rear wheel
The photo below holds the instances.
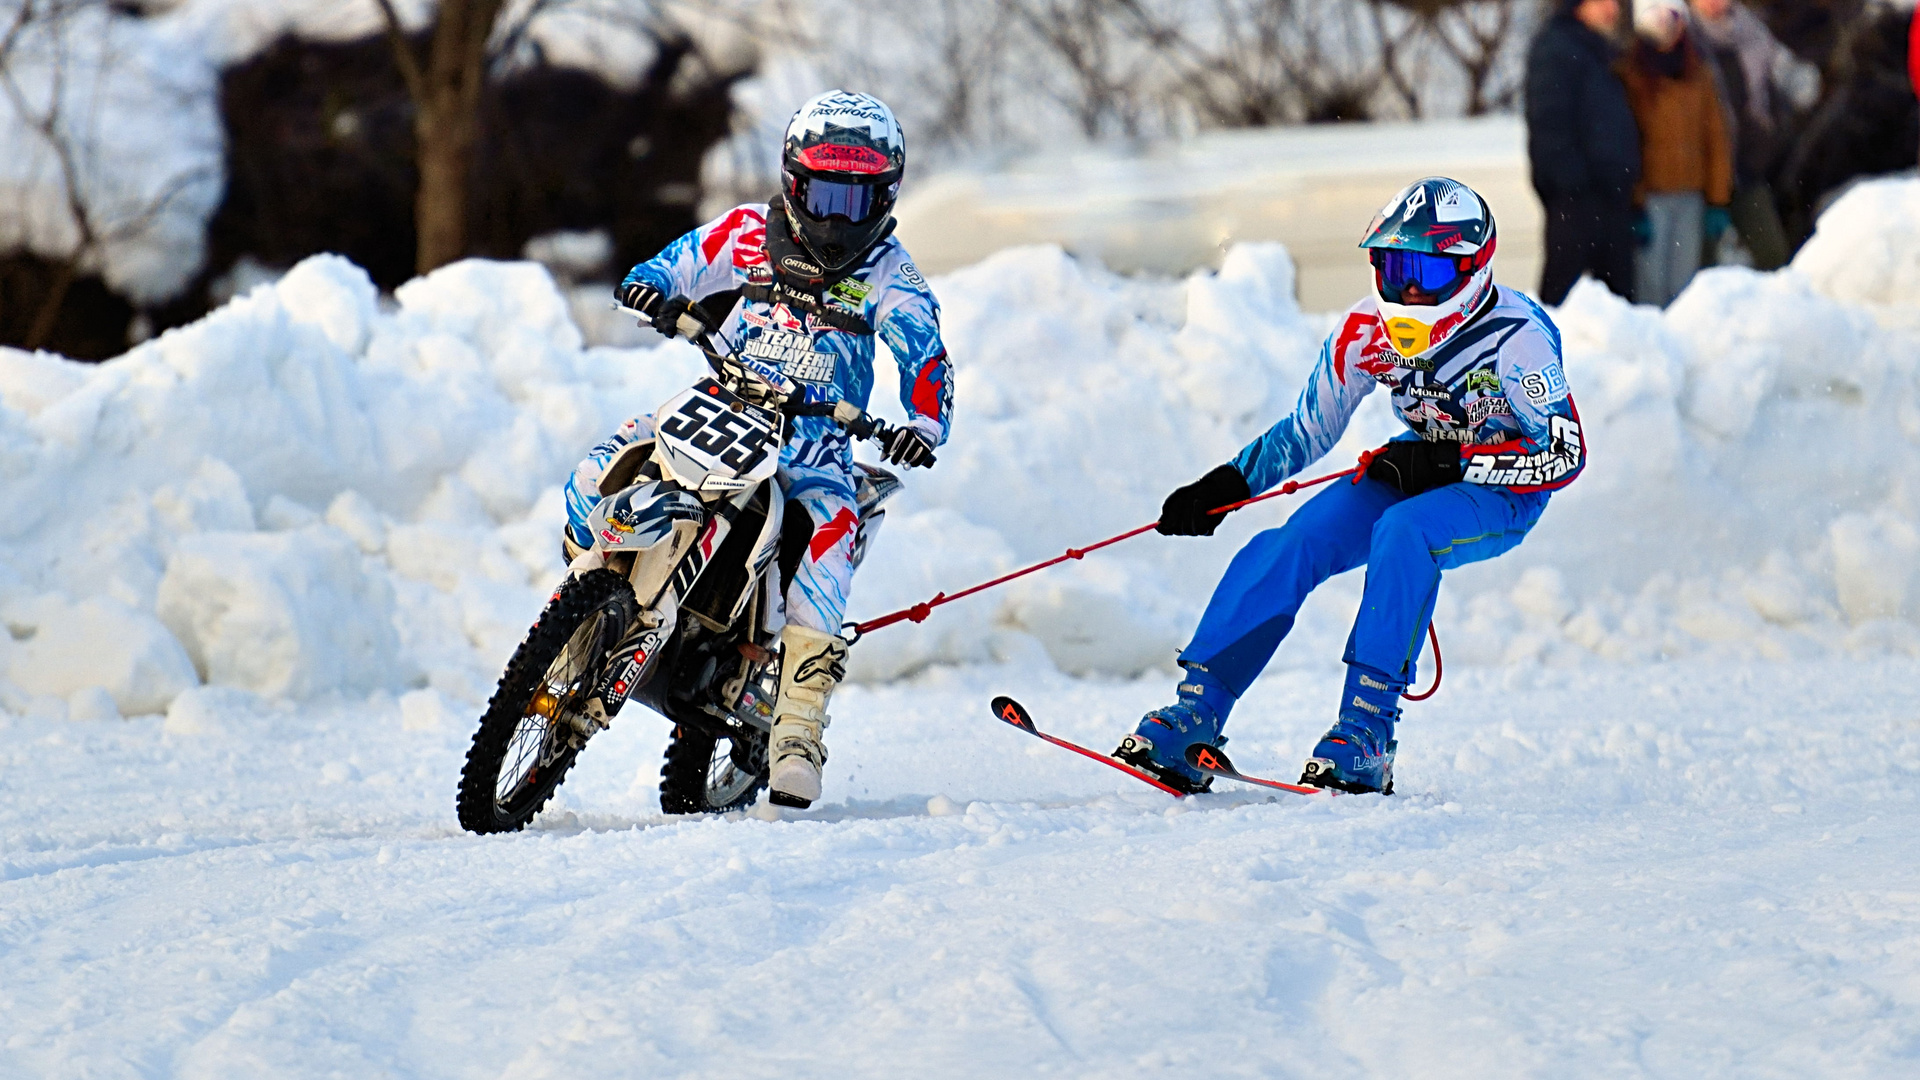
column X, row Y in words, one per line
column 526, row 742
column 706, row 772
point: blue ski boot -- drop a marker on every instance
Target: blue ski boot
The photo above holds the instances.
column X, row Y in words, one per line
column 1356, row 754
column 1158, row 747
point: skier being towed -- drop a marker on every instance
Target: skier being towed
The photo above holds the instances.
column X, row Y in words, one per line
column 1475, row 374
column 806, row 283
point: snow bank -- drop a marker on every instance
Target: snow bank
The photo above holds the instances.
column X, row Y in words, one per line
column 301, row 494
column 308, row 493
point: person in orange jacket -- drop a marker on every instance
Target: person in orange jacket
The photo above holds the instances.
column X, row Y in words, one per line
column 1686, row 154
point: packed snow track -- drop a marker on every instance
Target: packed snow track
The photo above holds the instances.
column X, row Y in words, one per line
column 1667, row 871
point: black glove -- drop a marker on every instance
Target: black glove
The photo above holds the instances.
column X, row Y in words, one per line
column 908, row 447
column 1415, row 466
column 663, row 312
column 641, row 297
column 1185, row 513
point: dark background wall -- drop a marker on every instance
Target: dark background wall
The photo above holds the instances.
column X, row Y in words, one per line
column 319, row 157
column 320, row 146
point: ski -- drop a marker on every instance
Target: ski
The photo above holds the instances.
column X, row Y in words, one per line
column 1213, row 761
column 1014, row 713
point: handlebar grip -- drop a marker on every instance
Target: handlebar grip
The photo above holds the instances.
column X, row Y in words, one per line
column 691, row 327
column 852, row 418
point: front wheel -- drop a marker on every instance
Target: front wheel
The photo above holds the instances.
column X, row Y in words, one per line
column 527, row 739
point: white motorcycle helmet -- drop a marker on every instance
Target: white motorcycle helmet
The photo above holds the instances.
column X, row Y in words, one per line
column 842, row 160
column 1432, row 254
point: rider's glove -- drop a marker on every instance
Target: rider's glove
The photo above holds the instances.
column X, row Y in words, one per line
column 909, row 447
column 1186, row 511
column 641, row 297
column 1414, row 466
column 681, row 317
column 663, row 312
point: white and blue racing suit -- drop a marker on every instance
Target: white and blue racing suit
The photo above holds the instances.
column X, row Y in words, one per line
column 1496, row 388
column 816, row 466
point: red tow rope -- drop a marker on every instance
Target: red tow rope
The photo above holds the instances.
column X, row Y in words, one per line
column 1434, row 637
column 919, row 612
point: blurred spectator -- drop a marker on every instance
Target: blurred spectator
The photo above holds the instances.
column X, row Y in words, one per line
column 1749, row 60
column 1913, row 51
column 1584, row 149
column 1687, row 176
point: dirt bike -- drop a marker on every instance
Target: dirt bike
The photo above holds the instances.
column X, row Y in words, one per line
column 675, row 605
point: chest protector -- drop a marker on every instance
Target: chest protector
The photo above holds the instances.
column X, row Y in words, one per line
column 788, row 276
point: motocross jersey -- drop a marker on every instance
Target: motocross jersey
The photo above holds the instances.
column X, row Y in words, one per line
column 1496, row 387
column 830, row 362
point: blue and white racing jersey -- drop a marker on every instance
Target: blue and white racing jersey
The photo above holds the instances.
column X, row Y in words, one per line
column 1496, row 387
column 831, row 364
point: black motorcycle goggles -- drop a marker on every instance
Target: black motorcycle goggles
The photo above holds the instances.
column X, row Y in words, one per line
column 1439, row 276
column 821, row 198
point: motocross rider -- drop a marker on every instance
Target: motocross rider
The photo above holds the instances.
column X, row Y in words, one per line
column 1475, row 374
column 807, row 283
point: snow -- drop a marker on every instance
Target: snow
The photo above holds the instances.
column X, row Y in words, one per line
column 1662, row 882
column 315, row 493
column 1657, row 822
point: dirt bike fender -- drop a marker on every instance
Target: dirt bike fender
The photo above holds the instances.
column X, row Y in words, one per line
column 642, row 516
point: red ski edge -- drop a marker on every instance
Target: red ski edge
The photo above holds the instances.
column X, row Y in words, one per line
column 1213, row 760
column 1012, row 712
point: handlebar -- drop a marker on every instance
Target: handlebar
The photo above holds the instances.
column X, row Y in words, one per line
column 849, row 416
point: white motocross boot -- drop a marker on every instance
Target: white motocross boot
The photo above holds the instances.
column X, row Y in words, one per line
column 812, row 664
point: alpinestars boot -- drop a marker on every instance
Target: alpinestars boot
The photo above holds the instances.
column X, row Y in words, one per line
column 1356, row 754
column 813, row 662
column 1158, row 746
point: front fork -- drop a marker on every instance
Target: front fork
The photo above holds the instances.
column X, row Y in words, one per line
column 630, row 664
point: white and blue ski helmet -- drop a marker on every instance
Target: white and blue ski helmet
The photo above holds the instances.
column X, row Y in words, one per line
column 1432, row 252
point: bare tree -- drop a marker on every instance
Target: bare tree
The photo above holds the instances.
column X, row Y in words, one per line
column 1241, row 70
column 466, row 42
column 1108, row 66
column 1399, row 47
column 1476, row 34
column 56, row 57
column 948, row 91
column 1253, row 63
column 446, row 86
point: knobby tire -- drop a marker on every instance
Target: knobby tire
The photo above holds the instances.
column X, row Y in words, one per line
column 685, row 775
column 478, row 804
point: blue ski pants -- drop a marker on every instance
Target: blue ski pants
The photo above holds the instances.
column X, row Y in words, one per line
column 1404, row 542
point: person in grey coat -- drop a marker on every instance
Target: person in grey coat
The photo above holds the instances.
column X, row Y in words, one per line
column 1758, row 75
column 1584, row 148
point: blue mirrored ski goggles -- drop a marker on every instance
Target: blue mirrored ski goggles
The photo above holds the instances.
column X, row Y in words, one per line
column 1439, row 275
column 821, row 198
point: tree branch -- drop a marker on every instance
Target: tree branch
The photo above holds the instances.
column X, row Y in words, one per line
column 403, row 55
